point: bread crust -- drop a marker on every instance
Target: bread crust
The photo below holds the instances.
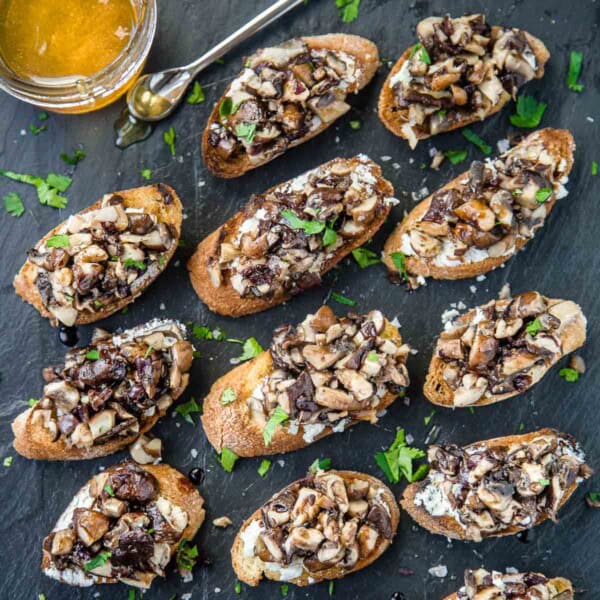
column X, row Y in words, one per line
column 437, row 391
column 231, row 426
column 563, row 587
column 449, row 527
column 174, row 486
column 394, row 119
column 364, row 51
column 557, row 141
column 151, row 199
column 225, row 300
column 251, row 570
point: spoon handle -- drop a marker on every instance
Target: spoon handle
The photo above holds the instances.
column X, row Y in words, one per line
column 269, row 15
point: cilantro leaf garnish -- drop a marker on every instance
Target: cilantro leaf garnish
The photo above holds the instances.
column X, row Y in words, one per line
column 320, row 464
column 529, row 112
column 278, row 416
column 348, row 9
column 477, row 141
column 569, row 374
column 228, row 396
column 329, row 236
column 423, row 54
column 295, row 222
column 398, row 460
column 92, row 354
column 399, row 261
column 169, row 138
column 78, row 156
column 227, row 459
column 187, row 408
column 575, row 64
column 48, row 190
column 58, row 240
column 341, row 299
column 251, row 350
column 455, row 156
column 265, row 465
column 196, row 96
column 543, row 194
column 13, row 204
column 365, row 257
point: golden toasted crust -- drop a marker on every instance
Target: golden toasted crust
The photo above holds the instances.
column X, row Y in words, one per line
column 564, row 590
column 225, row 300
column 438, row 392
column 177, row 489
column 251, row 570
column 448, row 526
column 151, row 199
column 393, row 118
column 557, row 141
column 231, row 426
column 366, row 54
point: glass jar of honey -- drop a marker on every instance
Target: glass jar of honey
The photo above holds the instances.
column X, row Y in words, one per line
column 73, row 56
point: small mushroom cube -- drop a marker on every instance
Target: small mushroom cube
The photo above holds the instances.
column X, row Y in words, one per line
column 90, row 525
column 62, row 542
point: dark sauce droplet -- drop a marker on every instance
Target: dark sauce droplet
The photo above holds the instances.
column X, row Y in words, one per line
column 130, row 130
column 523, row 536
column 196, row 475
column 68, row 335
column 398, row 596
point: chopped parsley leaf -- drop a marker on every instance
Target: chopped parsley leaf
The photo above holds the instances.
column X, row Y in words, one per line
column 544, row 482
column 13, row 204
column 575, row 64
column 534, row 327
column 423, row 54
column 108, row 489
column 98, row 560
column 277, row 417
column 228, row 396
column 455, row 156
column 329, row 236
column 398, row 459
column 48, row 190
column 355, row 125
column 365, row 257
column 58, row 240
column 399, row 261
column 78, row 156
column 186, row 556
column 569, row 374
column 92, row 354
column 543, row 194
column 129, row 263
column 477, row 141
column 146, row 174
column 529, row 112
column 37, row 130
column 32, row 402
column 594, row 168
column 7, row 462
column 246, row 131
column 251, row 349
column 265, row 465
column 331, row 588
column 227, row 108
column 169, row 138
column 320, row 464
column 521, row 426
column 284, row 590
column 341, row 299
column 348, row 9
column 238, row 587
column 227, row 459
column 196, row 96
column 296, row 223
column 428, row 418
column 372, row 357
column 187, row 408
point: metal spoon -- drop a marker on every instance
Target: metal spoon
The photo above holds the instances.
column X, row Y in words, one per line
column 155, row 96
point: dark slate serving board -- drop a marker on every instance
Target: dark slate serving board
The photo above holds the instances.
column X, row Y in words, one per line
column 562, row 261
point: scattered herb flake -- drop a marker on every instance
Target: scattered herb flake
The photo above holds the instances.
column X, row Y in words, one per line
column 186, row 556
column 398, row 460
column 108, row 489
column 146, row 174
column 544, row 482
column 92, row 354
column 477, row 141
column 365, row 257
column 32, row 402
column 196, row 96
column 521, row 426
column 455, row 156
column 246, row 131
column 228, row 396
column 575, row 64
column 534, row 327
column 331, row 588
column 320, row 464
column 130, row 263
column 399, row 261
column 329, row 236
column 372, row 357
column 594, row 168
column 471, row 410
column 296, row 223
column 251, row 350
column 569, row 374
column 169, row 138
column 13, row 204
column 58, row 240
column 423, row 54
column 47, row 189
column 187, row 408
column 238, row 588
column 543, row 194
column 529, row 112
column 355, row 125
column 278, row 417
column 98, row 560
column 43, row 116
column 265, row 465
column 37, row 130
column 284, row 589
column 428, row 418
column 7, row 462
column 75, row 159
column 348, row 9
column 341, row 299
column 227, row 459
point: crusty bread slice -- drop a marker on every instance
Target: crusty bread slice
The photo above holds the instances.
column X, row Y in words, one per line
column 365, row 53
column 564, row 590
column 174, row 486
column 159, row 200
column 251, row 570
column 438, row 392
column 393, row 117
column 558, row 142
column 449, row 527
column 232, row 426
column 225, row 300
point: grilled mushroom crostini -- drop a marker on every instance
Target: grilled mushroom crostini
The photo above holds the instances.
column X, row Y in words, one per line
column 481, row 584
column 318, row 378
column 322, row 527
column 284, row 240
column 483, row 217
column 102, row 258
column 461, row 71
column 124, row 525
column 284, row 96
column 502, row 348
column 107, row 394
column 496, row 487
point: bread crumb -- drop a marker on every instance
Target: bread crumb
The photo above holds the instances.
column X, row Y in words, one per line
column 222, row 522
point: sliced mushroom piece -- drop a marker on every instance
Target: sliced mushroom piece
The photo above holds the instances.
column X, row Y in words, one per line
column 506, row 329
column 90, row 525
column 113, row 507
column 497, row 496
column 450, row 349
column 360, row 387
column 334, row 488
column 62, row 542
column 146, row 451
column 82, row 436
column 176, row 516
column 303, row 538
column 501, row 204
column 182, row 354
column 367, row 540
column 543, row 344
column 432, row 228
column 516, row 362
column 358, row 488
column 483, row 350
column 379, row 518
column 328, row 107
column 528, row 304
column 102, row 422
column 336, row 399
column 531, row 475
column 423, row 244
column 64, row 396
column 477, row 213
column 319, row 357
column 351, row 556
column 272, row 547
column 470, row 390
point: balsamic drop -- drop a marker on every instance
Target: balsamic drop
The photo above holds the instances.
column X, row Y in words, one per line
column 398, row 596
column 196, row 475
column 68, row 335
column 523, row 536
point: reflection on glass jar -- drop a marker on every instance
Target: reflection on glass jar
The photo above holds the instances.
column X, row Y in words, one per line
column 73, row 56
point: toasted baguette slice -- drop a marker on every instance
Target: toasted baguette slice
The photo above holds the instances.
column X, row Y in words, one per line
column 366, row 58
column 233, row 425
column 36, row 440
column 479, row 582
column 564, row 337
column 160, row 202
column 250, row 568
column 172, row 485
column 214, row 286
column 559, row 146
column 449, row 526
column 396, row 118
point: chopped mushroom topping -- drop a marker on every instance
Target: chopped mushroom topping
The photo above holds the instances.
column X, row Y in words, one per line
column 488, row 489
column 331, row 372
column 99, row 257
column 289, row 234
column 481, row 584
column 114, row 386
column 320, row 522
column 498, row 203
column 504, row 346
column 126, row 531
column 460, row 68
column 283, row 94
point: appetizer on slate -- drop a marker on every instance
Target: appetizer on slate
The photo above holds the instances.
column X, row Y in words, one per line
column 483, row 217
column 501, row 349
column 461, row 71
column 318, row 378
column 284, row 96
column 496, row 487
column 102, row 258
column 107, row 394
column 124, row 525
column 481, row 584
column 324, row 526
column 285, row 239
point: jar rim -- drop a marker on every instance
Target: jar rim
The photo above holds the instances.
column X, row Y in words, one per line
column 88, row 90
